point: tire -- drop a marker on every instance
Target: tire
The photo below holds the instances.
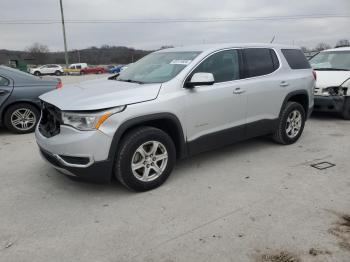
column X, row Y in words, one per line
column 129, row 152
column 285, row 133
column 37, row 73
column 346, row 109
column 15, row 113
column 58, row 73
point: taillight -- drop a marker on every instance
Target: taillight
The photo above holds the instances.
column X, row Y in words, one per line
column 59, row 84
column 314, row 74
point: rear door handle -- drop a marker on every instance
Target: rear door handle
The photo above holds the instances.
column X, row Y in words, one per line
column 284, row 84
column 238, row 91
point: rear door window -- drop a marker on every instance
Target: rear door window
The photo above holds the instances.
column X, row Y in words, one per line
column 296, row 59
column 260, row 61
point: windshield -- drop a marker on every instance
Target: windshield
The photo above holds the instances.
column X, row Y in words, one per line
column 157, row 67
column 333, row 60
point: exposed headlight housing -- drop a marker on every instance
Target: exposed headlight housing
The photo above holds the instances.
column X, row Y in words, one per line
column 89, row 121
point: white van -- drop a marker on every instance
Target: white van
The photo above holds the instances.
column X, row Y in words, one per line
column 75, row 68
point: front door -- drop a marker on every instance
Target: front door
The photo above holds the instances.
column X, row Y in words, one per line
column 215, row 114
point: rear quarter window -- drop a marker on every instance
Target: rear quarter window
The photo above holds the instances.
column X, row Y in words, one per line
column 296, row 59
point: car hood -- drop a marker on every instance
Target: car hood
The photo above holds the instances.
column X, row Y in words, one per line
column 331, row 78
column 100, row 94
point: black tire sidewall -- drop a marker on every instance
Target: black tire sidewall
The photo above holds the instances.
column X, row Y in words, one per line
column 13, row 108
column 128, row 147
column 57, row 73
column 37, row 73
column 289, row 108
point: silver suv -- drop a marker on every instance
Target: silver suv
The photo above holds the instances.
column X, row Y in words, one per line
column 172, row 104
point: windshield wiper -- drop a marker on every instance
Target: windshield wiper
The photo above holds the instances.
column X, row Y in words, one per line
column 131, row 81
column 331, row 69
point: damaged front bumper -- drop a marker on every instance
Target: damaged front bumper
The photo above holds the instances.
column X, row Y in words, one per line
column 330, row 99
column 329, row 103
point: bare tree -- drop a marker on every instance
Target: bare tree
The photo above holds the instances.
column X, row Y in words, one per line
column 322, row 46
column 342, row 42
column 305, row 49
column 166, row 46
column 39, row 52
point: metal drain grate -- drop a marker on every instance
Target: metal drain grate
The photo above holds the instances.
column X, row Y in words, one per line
column 322, row 165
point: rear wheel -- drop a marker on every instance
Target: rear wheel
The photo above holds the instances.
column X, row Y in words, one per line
column 22, row 118
column 145, row 159
column 291, row 124
column 346, row 109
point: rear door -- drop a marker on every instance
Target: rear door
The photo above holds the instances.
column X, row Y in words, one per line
column 264, row 89
column 6, row 86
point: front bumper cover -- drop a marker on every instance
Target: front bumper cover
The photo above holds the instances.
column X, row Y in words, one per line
column 329, row 103
column 97, row 172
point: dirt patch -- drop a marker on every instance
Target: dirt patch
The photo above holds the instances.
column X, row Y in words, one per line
column 316, row 252
column 342, row 231
column 279, row 257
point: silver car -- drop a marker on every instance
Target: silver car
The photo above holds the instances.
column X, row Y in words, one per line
column 172, row 104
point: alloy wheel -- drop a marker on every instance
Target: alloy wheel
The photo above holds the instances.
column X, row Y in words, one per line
column 23, row 119
column 149, row 161
column 294, row 123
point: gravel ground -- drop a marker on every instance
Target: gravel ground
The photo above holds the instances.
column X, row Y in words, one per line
column 253, row 201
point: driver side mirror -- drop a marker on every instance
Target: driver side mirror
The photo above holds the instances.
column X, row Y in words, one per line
column 200, row 79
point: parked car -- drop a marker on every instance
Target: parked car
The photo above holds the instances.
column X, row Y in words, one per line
column 332, row 92
column 47, row 70
column 115, row 69
column 126, row 66
column 172, row 104
column 19, row 98
column 75, row 68
column 93, row 70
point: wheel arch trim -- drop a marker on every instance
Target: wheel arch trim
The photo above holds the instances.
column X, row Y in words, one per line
column 138, row 121
column 295, row 93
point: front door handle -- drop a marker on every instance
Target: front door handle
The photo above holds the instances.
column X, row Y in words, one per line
column 284, row 84
column 238, row 91
column 3, row 92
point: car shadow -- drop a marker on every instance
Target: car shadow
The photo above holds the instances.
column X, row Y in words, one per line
column 328, row 116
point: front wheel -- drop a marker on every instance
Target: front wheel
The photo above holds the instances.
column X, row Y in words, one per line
column 291, row 124
column 145, row 159
column 346, row 109
column 22, row 118
column 37, row 73
column 58, row 73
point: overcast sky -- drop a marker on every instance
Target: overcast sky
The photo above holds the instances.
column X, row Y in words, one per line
column 305, row 32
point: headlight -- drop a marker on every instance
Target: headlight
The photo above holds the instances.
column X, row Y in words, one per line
column 89, row 121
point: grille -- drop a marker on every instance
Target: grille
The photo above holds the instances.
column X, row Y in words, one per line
column 50, row 120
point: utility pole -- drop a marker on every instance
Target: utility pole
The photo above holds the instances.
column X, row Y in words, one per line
column 64, row 35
